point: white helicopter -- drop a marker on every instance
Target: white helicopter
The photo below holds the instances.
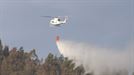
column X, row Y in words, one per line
column 57, row 21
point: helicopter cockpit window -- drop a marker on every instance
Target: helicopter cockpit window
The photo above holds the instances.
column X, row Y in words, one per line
column 58, row 19
column 52, row 21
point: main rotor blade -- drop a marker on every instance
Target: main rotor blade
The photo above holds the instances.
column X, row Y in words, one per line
column 47, row 16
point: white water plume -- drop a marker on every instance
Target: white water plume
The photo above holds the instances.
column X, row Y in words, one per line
column 100, row 61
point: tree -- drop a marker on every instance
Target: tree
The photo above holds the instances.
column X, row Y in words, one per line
column 1, row 46
column 6, row 51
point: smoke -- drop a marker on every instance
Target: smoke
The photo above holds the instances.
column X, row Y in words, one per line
column 100, row 61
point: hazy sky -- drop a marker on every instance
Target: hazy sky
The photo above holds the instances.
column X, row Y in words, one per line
column 104, row 23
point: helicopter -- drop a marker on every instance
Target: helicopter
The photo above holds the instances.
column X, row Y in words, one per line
column 57, row 21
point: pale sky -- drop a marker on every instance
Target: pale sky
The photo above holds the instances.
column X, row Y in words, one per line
column 104, row 23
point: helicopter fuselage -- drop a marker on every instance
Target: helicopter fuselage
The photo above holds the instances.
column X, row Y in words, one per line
column 57, row 21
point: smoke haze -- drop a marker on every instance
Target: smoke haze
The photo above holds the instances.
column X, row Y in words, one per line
column 100, row 61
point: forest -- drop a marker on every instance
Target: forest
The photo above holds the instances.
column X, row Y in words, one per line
column 18, row 62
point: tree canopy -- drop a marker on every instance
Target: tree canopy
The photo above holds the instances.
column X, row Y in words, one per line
column 18, row 62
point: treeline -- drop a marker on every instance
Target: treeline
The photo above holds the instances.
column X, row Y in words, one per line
column 18, row 62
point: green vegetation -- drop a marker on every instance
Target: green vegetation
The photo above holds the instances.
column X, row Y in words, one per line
column 18, row 62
